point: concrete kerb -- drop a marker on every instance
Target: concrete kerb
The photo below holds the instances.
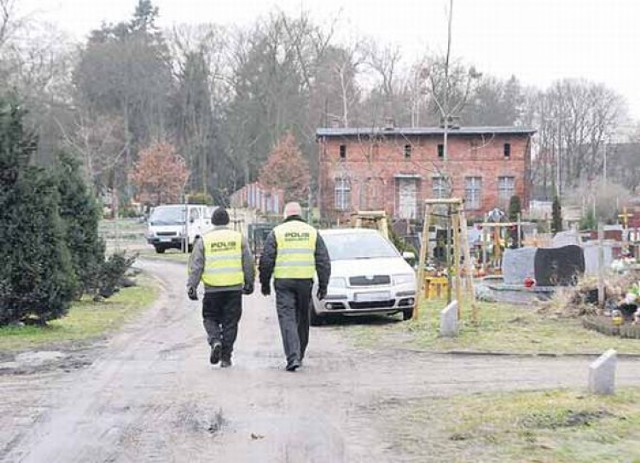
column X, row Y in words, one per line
column 489, row 353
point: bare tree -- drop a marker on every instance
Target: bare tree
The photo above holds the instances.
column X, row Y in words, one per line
column 575, row 120
column 6, row 12
column 98, row 141
column 450, row 85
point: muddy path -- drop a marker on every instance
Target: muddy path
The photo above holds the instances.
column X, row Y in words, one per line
column 150, row 394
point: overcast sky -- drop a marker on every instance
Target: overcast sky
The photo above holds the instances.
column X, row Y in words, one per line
column 537, row 40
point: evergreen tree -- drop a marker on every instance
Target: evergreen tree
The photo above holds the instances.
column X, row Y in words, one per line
column 589, row 221
column 556, row 216
column 36, row 277
column 515, row 208
column 80, row 213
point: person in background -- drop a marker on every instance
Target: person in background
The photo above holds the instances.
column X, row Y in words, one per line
column 293, row 253
column 222, row 261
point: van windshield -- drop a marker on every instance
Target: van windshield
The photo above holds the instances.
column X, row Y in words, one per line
column 167, row 215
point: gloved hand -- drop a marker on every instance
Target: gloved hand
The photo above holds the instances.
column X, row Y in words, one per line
column 322, row 293
column 192, row 293
column 247, row 289
column 266, row 290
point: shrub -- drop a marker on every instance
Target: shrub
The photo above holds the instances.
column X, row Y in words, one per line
column 36, row 276
column 128, row 213
column 200, row 197
column 113, row 272
column 80, row 213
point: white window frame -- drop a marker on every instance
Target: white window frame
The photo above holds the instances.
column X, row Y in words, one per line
column 439, row 187
column 506, row 187
column 342, row 194
column 473, row 192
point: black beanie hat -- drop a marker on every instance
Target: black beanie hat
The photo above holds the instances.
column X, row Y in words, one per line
column 220, row 216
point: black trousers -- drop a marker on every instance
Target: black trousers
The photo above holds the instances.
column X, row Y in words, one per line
column 292, row 302
column 221, row 312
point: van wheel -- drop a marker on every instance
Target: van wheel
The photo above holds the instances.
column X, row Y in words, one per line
column 314, row 318
column 160, row 249
column 407, row 314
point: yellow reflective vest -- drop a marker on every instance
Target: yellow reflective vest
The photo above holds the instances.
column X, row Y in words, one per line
column 222, row 258
column 295, row 258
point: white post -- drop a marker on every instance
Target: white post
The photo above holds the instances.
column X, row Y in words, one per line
column 600, row 265
column 602, row 373
column 185, row 242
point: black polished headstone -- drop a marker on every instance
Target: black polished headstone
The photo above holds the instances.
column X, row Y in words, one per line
column 559, row 266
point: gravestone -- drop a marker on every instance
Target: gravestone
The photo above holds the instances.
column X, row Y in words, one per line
column 591, row 259
column 518, row 264
column 602, row 373
column 559, row 266
column 449, row 320
column 566, row 238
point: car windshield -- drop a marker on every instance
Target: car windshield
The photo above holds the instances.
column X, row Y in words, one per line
column 167, row 215
column 344, row 246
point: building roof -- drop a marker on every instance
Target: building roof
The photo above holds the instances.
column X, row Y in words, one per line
column 420, row 131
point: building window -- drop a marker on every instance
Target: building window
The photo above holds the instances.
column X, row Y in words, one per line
column 440, row 150
column 407, row 151
column 506, row 188
column 507, row 150
column 472, row 192
column 439, row 187
column 342, row 194
column 343, row 151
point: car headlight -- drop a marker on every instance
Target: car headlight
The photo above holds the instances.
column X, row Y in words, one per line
column 405, row 278
column 337, row 283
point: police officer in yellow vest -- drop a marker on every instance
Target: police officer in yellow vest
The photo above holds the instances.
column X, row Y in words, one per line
column 223, row 262
column 293, row 253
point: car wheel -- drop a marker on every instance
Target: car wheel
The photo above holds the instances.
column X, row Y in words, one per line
column 160, row 249
column 314, row 318
column 407, row 314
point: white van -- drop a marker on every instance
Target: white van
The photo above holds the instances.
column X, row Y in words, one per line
column 168, row 227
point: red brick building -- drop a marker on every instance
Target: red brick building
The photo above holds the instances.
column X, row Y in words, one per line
column 396, row 168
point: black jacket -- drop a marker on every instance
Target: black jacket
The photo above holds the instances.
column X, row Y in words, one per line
column 270, row 251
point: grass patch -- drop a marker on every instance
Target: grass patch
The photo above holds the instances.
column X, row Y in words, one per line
column 501, row 327
column 108, row 226
column 553, row 426
column 174, row 255
column 86, row 319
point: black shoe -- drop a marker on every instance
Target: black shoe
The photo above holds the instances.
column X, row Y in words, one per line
column 216, row 352
column 226, row 363
column 293, row 365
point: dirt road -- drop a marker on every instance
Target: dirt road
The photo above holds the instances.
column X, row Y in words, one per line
column 150, row 394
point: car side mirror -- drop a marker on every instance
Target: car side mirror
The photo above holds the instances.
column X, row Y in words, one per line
column 409, row 257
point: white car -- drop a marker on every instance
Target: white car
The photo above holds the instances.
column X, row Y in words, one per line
column 167, row 227
column 368, row 276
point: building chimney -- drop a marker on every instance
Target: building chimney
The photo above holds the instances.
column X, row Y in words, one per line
column 389, row 123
